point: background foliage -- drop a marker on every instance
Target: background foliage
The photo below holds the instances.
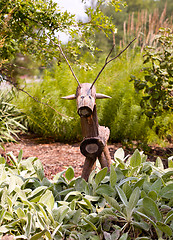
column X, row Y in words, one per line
column 122, row 114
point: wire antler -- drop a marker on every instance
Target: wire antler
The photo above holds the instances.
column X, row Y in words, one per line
column 59, row 46
column 106, row 60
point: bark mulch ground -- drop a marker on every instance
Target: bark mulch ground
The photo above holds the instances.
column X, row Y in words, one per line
column 57, row 156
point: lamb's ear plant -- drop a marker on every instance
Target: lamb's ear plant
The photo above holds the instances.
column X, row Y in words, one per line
column 133, row 201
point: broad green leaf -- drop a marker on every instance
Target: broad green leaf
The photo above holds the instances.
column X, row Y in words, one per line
column 120, row 163
column 90, row 223
column 21, row 237
column 107, row 236
column 15, row 181
column 3, row 176
column 74, row 194
column 133, row 200
column 143, row 238
column 92, row 198
column 28, row 225
column 12, row 158
column 57, row 230
column 164, row 228
column 159, row 163
column 139, row 183
column 2, row 214
column 39, row 169
column 60, row 213
column 47, row 199
column 169, row 218
column 66, row 191
column 94, row 238
column 168, row 175
column 37, row 193
column 106, row 212
column 113, row 176
column 152, row 195
column 20, row 213
column 170, row 162
column 38, row 236
column 124, row 236
column 156, row 186
column 41, row 208
column 20, row 156
column 133, row 171
column 122, row 195
column 100, row 175
column 8, row 216
column 146, row 217
column 113, row 202
column 127, row 179
column 135, row 159
column 143, row 194
column 104, row 189
column 4, row 229
column 127, row 189
column 10, row 203
column 120, row 154
column 167, row 191
column 41, row 221
column 20, row 193
column 69, row 174
column 81, row 185
column 72, row 205
column 143, row 225
column 151, row 208
column 76, row 216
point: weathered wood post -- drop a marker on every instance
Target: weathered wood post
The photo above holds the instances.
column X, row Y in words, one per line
column 95, row 137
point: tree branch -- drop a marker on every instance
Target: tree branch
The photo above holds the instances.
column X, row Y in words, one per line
column 35, row 99
column 106, row 60
column 59, row 46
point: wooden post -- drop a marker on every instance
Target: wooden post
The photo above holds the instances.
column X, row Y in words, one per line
column 95, row 137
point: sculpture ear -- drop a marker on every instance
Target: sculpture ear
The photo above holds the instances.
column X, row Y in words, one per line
column 101, row 96
column 69, row 97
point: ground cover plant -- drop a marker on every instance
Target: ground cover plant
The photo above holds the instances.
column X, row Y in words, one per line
column 133, row 201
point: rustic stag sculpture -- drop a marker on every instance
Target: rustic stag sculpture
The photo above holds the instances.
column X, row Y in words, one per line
column 95, row 137
column 94, row 144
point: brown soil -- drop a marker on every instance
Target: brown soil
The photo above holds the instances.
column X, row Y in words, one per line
column 57, row 156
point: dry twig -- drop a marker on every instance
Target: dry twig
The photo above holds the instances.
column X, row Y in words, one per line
column 106, row 61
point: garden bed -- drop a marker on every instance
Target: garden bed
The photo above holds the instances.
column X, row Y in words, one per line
column 57, row 156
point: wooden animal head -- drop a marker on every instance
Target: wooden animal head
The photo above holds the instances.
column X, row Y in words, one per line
column 85, row 97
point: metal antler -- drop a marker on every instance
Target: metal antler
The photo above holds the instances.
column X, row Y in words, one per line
column 106, row 60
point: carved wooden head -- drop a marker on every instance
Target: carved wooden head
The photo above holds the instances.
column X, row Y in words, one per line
column 85, row 97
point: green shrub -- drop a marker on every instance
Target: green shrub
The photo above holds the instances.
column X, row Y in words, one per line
column 122, row 114
column 10, row 118
column 133, row 201
column 49, row 115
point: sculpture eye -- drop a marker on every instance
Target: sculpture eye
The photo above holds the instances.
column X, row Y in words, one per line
column 90, row 97
column 82, row 96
